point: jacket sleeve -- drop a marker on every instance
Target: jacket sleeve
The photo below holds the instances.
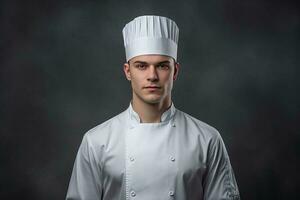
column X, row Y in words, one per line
column 219, row 181
column 85, row 183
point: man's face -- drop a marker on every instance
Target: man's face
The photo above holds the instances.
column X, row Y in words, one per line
column 151, row 77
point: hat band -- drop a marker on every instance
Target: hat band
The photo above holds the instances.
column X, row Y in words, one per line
column 146, row 45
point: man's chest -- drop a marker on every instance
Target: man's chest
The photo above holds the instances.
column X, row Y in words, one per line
column 147, row 159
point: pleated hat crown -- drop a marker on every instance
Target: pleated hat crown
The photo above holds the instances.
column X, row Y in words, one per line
column 151, row 35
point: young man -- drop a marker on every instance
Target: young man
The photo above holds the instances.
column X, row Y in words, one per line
column 152, row 151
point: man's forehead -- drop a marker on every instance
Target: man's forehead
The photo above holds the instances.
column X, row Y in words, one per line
column 151, row 59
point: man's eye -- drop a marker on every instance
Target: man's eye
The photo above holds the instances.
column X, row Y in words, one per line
column 141, row 66
column 164, row 67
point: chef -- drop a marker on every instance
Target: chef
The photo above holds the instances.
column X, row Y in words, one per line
column 152, row 151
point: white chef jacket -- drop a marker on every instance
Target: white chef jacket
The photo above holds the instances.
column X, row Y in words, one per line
column 178, row 158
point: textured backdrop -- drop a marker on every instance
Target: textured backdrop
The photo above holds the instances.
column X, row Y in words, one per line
column 61, row 74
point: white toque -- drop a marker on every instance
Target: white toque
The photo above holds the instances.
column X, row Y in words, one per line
column 151, row 35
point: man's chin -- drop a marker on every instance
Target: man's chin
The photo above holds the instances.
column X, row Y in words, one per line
column 153, row 100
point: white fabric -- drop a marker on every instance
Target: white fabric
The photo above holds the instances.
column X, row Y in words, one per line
column 150, row 35
column 179, row 158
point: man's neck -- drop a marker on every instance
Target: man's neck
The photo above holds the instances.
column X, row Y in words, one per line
column 150, row 113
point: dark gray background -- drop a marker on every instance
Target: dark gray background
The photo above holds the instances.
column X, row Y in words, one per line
column 61, row 74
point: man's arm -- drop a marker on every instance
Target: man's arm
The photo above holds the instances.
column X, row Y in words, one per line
column 85, row 183
column 219, row 181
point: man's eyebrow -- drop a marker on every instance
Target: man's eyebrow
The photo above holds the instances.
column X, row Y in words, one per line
column 162, row 62
column 141, row 62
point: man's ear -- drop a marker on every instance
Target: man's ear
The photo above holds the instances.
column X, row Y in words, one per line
column 176, row 70
column 126, row 70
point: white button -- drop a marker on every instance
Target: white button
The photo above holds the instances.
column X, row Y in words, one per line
column 172, row 158
column 171, row 193
column 131, row 158
column 132, row 193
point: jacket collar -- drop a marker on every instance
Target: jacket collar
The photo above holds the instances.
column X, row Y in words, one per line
column 166, row 116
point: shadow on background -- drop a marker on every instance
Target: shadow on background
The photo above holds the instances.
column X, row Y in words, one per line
column 61, row 74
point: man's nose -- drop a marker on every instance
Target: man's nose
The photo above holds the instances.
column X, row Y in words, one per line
column 152, row 74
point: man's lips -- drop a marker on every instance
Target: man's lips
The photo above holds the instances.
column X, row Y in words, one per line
column 152, row 87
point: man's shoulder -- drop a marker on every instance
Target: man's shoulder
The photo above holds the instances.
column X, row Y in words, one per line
column 198, row 126
column 107, row 126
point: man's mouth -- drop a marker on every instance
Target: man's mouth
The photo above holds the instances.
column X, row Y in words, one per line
column 152, row 87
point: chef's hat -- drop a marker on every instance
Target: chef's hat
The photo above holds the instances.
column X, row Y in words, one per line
column 151, row 35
